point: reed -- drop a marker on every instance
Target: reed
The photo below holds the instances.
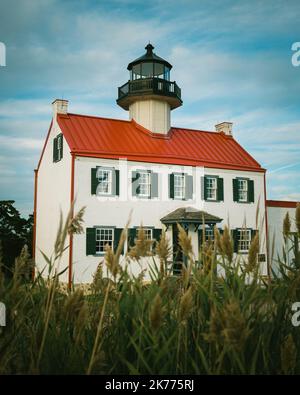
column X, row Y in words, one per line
column 196, row 323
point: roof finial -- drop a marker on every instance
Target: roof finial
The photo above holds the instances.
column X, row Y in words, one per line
column 149, row 49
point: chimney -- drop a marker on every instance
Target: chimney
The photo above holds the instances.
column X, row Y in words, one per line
column 225, row 127
column 59, row 106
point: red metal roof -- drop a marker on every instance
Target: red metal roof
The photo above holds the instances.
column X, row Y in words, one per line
column 281, row 203
column 113, row 138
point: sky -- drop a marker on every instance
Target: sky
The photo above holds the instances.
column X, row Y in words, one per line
column 232, row 60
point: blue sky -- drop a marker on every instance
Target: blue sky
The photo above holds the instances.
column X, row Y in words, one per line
column 232, row 60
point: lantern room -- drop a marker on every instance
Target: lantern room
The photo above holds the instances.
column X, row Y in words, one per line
column 149, row 79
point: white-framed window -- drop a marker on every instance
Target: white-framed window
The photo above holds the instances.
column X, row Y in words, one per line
column 209, row 234
column 179, row 186
column 147, row 232
column 244, row 240
column 105, row 181
column 242, row 190
column 59, row 147
column 145, row 184
column 104, row 236
column 211, row 188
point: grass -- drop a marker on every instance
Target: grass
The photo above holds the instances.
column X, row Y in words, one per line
column 195, row 323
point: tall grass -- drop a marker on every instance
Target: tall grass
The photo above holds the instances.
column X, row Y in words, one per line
column 195, row 323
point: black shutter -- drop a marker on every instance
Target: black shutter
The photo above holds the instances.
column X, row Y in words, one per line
column 94, row 181
column 171, row 186
column 202, row 188
column 90, row 241
column 253, row 233
column 235, row 189
column 135, row 186
column 154, row 185
column 200, row 237
column 60, row 137
column 62, row 145
column 205, row 187
column 220, row 189
column 235, row 235
column 55, row 149
column 117, row 236
column 156, row 234
column 131, row 237
column 115, row 182
column 250, row 191
column 188, row 187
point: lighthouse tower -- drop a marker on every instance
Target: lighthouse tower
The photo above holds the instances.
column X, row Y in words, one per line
column 149, row 95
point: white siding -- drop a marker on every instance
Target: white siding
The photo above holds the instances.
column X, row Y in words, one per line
column 276, row 217
column 116, row 211
column 53, row 195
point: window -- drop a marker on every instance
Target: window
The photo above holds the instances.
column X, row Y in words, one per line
column 147, row 233
column 209, row 234
column 58, row 148
column 104, row 181
column 179, row 186
column 104, row 237
column 244, row 240
column 145, row 184
column 242, row 190
column 211, row 188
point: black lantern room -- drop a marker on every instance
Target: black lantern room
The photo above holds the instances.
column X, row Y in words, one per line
column 149, row 79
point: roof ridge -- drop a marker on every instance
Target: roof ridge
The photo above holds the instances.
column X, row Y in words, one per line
column 97, row 117
column 195, row 130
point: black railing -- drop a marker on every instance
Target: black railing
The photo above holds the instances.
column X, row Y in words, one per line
column 151, row 85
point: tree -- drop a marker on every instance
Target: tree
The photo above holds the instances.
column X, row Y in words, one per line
column 15, row 232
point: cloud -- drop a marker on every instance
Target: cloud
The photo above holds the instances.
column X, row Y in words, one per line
column 17, row 143
column 231, row 59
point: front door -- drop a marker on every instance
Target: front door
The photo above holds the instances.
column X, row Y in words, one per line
column 177, row 251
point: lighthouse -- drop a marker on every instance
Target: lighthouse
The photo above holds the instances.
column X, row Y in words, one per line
column 149, row 95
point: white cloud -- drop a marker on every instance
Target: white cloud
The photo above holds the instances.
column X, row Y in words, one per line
column 18, row 143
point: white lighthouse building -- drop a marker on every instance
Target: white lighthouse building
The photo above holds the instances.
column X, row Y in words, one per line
column 159, row 174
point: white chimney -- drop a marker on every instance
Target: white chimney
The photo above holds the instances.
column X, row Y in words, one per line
column 225, row 127
column 60, row 106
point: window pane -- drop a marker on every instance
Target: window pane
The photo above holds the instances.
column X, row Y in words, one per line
column 104, row 237
column 244, row 239
column 145, row 184
column 211, row 191
column 243, row 190
column 179, row 186
column 167, row 74
column 147, row 70
column 105, row 181
column 136, row 71
column 159, row 70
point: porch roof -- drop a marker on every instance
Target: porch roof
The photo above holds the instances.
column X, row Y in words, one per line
column 190, row 215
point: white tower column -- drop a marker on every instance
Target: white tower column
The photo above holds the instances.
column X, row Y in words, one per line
column 153, row 115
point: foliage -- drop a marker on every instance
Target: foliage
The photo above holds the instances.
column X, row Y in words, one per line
column 200, row 322
column 15, row 232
